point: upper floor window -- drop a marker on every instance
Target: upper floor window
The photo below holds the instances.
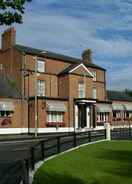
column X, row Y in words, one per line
column 40, row 65
column 94, row 74
column 81, row 90
column 41, row 88
column 94, row 93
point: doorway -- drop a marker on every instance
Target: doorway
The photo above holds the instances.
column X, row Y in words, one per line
column 83, row 116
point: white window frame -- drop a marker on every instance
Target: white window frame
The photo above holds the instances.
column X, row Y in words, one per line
column 40, row 88
column 81, row 90
column 40, row 65
column 102, row 117
column 55, row 117
column 94, row 93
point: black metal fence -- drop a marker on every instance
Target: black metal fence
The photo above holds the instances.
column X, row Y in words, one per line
column 58, row 144
column 14, row 172
column 124, row 133
column 16, row 168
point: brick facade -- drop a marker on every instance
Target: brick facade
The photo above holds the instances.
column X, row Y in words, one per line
column 61, row 84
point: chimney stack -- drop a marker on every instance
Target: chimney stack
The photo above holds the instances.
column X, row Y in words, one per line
column 87, row 56
column 8, row 38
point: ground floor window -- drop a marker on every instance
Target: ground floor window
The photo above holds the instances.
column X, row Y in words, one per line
column 102, row 118
column 6, row 114
column 122, row 115
column 128, row 115
column 118, row 115
column 55, row 119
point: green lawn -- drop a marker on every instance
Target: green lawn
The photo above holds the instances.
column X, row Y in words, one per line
column 101, row 163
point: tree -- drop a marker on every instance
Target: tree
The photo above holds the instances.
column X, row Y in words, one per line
column 11, row 11
column 128, row 92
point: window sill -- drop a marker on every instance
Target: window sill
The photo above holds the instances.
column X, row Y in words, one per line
column 55, row 124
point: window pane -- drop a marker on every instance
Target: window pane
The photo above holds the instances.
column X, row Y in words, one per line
column 94, row 93
column 81, row 90
column 41, row 87
column 40, row 66
column 49, row 117
column 55, row 117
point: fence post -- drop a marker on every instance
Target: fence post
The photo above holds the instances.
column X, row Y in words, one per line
column 58, row 144
column 42, row 149
column 89, row 136
column 26, row 172
column 32, row 158
column 74, row 139
column 108, row 131
column 129, row 130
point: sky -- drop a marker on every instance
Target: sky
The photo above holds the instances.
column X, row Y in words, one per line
column 70, row 26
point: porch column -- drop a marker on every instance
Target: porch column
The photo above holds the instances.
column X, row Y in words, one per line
column 76, row 116
column 88, row 116
column 94, row 116
column 91, row 117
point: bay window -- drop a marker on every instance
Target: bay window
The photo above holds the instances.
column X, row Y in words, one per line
column 55, row 119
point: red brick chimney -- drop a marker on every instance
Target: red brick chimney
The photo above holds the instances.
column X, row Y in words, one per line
column 8, row 38
column 87, row 56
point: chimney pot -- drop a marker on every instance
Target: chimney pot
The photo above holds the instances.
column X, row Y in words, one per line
column 87, row 56
column 8, row 38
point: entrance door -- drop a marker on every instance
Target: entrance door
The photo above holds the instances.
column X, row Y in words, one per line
column 82, row 116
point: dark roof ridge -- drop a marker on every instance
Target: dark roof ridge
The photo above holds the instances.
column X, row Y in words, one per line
column 49, row 54
column 45, row 52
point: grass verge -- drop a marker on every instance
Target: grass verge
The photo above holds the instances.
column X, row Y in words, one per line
column 101, row 163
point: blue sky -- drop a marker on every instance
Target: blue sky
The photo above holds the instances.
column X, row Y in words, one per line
column 70, row 26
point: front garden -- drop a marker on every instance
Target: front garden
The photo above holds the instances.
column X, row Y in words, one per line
column 100, row 163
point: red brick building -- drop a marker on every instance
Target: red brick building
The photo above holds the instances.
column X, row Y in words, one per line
column 58, row 93
column 121, row 108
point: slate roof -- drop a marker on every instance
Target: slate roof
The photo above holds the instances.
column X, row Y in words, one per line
column 118, row 95
column 52, row 55
column 7, row 88
column 67, row 69
column 40, row 52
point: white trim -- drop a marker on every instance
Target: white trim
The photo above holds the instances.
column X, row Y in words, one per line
column 120, row 126
column 89, row 101
column 88, row 116
column 52, row 130
column 13, row 130
column 83, row 67
column 99, row 128
column 44, row 130
column 76, row 116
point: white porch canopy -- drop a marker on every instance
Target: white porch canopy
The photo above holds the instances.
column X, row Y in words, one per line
column 6, row 106
column 128, row 107
column 104, row 108
column 56, row 106
column 118, row 107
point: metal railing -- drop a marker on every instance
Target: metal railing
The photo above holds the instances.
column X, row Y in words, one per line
column 16, row 167
column 121, row 133
column 61, row 143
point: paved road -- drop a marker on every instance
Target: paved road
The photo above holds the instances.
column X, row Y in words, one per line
column 10, row 154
